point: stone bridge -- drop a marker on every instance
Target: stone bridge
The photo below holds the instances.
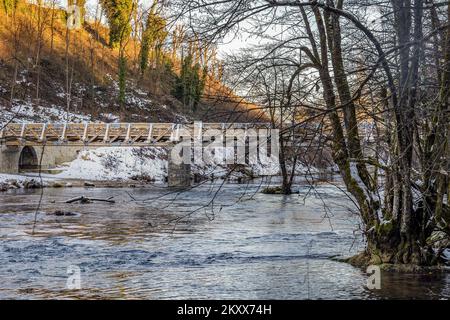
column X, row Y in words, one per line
column 41, row 146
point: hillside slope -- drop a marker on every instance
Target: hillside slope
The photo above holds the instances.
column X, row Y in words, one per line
column 72, row 76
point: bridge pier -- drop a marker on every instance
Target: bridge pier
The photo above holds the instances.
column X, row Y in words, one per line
column 9, row 159
column 178, row 175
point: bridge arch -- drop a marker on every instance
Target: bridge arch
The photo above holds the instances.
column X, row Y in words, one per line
column 28, row 159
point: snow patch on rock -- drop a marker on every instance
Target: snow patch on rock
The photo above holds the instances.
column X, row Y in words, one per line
column 15, row 181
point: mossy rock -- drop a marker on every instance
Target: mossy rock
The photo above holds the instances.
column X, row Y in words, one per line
column 272, row 190
column 359, row 260
column 363, row 260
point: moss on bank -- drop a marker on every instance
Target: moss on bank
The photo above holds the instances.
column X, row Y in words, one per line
column 363, row 260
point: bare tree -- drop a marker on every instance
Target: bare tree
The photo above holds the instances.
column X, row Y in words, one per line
column 350, row 57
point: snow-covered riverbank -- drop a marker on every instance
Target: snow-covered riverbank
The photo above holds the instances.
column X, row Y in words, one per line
column 130, row 164
column 118, row 163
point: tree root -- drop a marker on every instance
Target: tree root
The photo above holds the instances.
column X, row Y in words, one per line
column 363, row 260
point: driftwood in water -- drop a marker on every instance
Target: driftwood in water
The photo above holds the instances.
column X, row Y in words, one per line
column 84, row 199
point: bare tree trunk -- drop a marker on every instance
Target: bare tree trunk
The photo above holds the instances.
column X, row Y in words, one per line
column 441, row 124
column 345, row 97
column 52, row 26
column 40, row 27
column 68, row 77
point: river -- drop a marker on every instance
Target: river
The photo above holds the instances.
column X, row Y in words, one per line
column 154, row 243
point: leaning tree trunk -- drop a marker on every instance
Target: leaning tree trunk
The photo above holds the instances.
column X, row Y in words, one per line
column 340, row 151
column 397, row 233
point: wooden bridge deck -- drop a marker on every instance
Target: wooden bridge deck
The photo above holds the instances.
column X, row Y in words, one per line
column 104, row 134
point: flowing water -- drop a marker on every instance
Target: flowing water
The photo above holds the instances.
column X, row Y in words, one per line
column 154, row 243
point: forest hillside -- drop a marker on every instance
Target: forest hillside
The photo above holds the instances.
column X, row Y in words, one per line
column 49, row 72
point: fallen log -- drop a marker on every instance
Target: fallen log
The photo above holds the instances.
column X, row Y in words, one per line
column 84, row 199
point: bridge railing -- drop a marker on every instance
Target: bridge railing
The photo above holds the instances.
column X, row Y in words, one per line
column 109, row 133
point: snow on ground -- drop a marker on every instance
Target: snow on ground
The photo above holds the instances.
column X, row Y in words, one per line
column 214, row 163
column 118, row 163
column 128, row 163
column 5, row 177
column 110, row 117
column 149, row 164
column 137, row 101
column 258, row 166
column 142, row 164
column 26, row 112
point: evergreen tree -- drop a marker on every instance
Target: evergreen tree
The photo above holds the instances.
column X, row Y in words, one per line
column 118, row 13
column 190, row 84
column 153, row 36
column 9, row 5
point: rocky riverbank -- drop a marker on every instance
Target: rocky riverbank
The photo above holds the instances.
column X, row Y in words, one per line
column 11, row 182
